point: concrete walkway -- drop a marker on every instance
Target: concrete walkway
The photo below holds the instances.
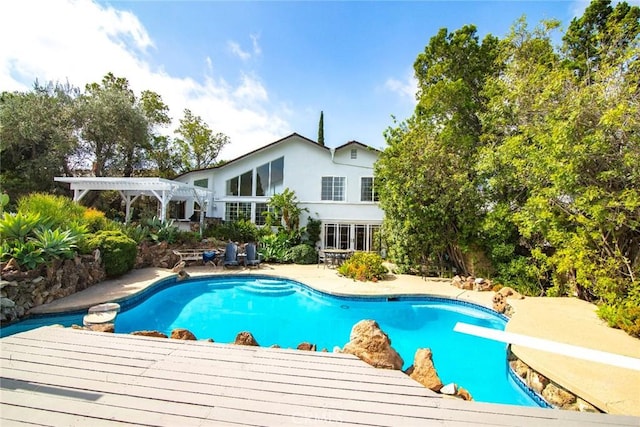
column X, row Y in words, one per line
column 566, row 320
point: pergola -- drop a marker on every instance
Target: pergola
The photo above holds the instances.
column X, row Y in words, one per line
column 130, row 189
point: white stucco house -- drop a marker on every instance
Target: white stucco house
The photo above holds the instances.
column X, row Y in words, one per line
column 334, row 184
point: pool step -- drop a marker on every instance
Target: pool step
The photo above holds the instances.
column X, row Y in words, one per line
column 272, row 292
column 268, row 284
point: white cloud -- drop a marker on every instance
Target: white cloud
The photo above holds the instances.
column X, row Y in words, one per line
column 406, row 88
column 257, row 50
column 80, row 41
column 235, row 48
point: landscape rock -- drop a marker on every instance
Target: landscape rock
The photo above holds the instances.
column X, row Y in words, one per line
column 449, row 389
column 482, row 285
column 155, row 334
column 499, row 302
column 245, row 338
column 306, row 346
column 557, row 396
column 369, row 343
column 463, row 394
column 102, row 327
column 183, row 334
column 510, row 293
column 424, row 371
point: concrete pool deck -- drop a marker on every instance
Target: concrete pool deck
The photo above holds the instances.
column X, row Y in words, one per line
column 614, row 389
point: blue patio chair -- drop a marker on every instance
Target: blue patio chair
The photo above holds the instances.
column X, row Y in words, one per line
column 231, row 255
column 253, row 258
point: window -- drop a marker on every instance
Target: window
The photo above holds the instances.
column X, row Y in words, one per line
column 237, row 210
column 240, row 185
column 260, row 218
column 354, row 153
column 246, row 183
column 337, row 236
column 201, row 182
column 232, row 186
column 367, row 190
column 177, row 210
column 332, row 188
column 270, row 178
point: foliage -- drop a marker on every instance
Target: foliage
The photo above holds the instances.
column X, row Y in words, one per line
column 529, row 152
column 198, row 145
column 303, row 254
column 238, row 231
column 321, row 129
column 426, row 181
column 29, row 240
column 38, row 139
column 284, row 210
column 117, row 249
column 94, row 220
column 364, row 266
column 55, row 211
column 277, row 247
column 161, row 231
column 18, row 226
column 312, row 230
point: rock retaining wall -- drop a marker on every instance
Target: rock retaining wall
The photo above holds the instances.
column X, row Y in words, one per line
column 553, row 393
column 22, row 290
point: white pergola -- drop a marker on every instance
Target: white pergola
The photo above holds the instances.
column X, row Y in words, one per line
column 130, row 189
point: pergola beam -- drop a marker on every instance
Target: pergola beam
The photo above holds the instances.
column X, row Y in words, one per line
column 130, row 189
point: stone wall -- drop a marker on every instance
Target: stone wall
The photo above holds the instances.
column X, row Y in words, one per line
column 22, row 290
column 553, row 393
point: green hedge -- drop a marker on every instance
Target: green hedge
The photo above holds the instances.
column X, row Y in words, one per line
column 118, row 251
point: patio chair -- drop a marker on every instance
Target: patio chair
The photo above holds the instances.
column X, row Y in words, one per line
column 231, row 255
column 253, row 257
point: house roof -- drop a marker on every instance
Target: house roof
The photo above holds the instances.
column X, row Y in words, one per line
column 281, row 140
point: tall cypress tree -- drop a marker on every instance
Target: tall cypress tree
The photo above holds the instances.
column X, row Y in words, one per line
column 321, row 129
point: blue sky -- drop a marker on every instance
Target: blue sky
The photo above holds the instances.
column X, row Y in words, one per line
column 256, row 71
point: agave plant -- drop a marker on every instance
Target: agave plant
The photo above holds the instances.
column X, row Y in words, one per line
column 19, row 226
column 56, row 243
column 27, row 254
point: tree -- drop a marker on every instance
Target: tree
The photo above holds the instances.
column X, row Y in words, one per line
column 321, row 129
column 38, row 140
column 199, row 146
column 114, row 129
column 601, row 34
column 427, row 183
column 285, row 210
column 117, row 127
column 564, row 156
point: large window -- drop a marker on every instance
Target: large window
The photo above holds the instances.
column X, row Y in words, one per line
column 367, row 190
column 237, row 210
column 240, row 185
column 332, row 188
column 270, row 178
column 269, row 181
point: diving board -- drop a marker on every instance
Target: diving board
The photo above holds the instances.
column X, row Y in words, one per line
column 550, row 346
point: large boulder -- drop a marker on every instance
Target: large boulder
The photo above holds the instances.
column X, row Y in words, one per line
column 510, row 293
column 424, row 371
column 245, row 338
column 183, row 334
column 306, row 346
column 369, row 343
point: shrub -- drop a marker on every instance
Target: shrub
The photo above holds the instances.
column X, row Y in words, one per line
column 363, row 266
column 117, row 249
column 237, row 231
column 56, row 211
column 94, row 220
column 303, row 254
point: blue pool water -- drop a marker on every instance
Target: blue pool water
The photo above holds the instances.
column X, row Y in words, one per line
column 287, row 313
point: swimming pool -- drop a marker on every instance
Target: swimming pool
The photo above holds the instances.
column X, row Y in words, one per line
column 285, row 312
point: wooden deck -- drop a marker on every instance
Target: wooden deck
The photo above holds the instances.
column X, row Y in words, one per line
column 58, row 377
